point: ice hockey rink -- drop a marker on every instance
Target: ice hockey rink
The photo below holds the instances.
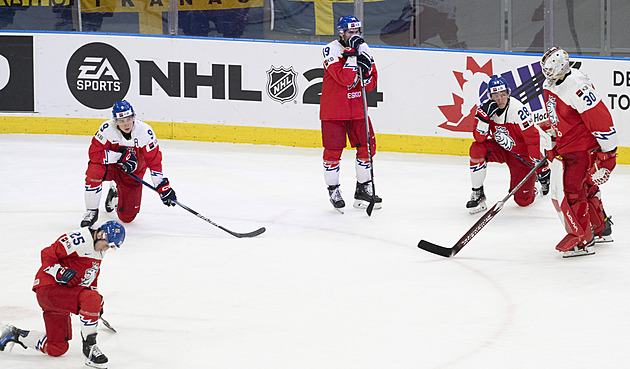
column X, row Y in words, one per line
column 317, row 290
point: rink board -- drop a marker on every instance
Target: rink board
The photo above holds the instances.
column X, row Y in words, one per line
column 262, row 92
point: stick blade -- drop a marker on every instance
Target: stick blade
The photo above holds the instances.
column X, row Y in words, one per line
column 436, row 249
column 255, row 233
column 370, row 207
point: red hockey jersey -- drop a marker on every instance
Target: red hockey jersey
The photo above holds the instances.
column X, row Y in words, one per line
column 513, row 129
column 108, row 139
column 74, row 250
column 341, row 90
column 578, row 116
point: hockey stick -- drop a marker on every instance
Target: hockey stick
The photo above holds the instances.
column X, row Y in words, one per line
column 369, row 146
column 106, row 323
column 521, row 159
column 235, row 234
column 485, row 219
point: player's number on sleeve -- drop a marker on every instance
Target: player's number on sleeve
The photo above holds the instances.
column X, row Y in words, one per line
column 104, row 126
column 590, row 98
column 523, row 113
column 326, row 51
column 77, row 238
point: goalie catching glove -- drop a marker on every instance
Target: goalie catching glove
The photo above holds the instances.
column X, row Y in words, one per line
column 128, row 160
column 167, row 194
column 599, row 172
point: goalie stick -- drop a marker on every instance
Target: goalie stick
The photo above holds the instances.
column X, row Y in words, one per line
column 235, row 234
column 485, row 219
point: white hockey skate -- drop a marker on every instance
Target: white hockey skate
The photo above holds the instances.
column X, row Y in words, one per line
column 578, row 251
column 89, row 218
column 477, row 202
column 111, row 201
column 335, row 198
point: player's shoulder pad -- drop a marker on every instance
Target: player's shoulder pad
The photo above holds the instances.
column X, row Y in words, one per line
column 579, row 88
column 85, row 244
column 520, row 114
column 76, row 239
column 108, row 132
column 332, row 52
column 145, row 135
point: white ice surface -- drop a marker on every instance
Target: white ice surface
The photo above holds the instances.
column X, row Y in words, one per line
column 318, row 290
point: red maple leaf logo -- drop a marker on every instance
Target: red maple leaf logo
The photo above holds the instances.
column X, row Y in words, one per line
column 460, row 115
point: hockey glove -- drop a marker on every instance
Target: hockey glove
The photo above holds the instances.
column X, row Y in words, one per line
column 355, row 41
column 348, row 51
column 605, row 162
column 364, row 61
column 167, row 194
column 486, row 110
column 67, row 276
column 128, row 160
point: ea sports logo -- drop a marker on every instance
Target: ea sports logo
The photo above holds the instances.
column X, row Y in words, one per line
column 98, row 75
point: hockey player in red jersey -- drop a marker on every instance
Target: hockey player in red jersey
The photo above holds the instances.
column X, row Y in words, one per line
column 505, row 133
column 584, row 155
column 123, row 145
column 66, row 283
column 341, row 110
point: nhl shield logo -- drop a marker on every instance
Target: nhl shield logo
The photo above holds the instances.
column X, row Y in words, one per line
column 281, row 84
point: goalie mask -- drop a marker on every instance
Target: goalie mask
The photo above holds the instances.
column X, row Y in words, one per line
column 347, row 22
column 555, row 63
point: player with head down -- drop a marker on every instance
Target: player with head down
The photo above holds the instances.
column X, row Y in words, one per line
column 341, row 110
column 584, row 155
column 122, row 145
column 65, row 284
column 505, row 133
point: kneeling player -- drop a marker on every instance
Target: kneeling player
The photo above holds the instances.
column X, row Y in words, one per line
column 123, row 145
column 65, row 284
column 505, row 133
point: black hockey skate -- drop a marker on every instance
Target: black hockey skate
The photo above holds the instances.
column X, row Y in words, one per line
column 335, row 198
column 90, row 217
column 111, row 201
column 9, row 336
column 477, row 202
column 363, row 196
column 93, row 355
column 605, row 235
column 580, row 250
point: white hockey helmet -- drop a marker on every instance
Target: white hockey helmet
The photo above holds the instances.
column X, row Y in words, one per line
column 555, row 63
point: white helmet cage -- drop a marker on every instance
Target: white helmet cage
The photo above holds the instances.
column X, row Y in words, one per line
column 555, row 63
